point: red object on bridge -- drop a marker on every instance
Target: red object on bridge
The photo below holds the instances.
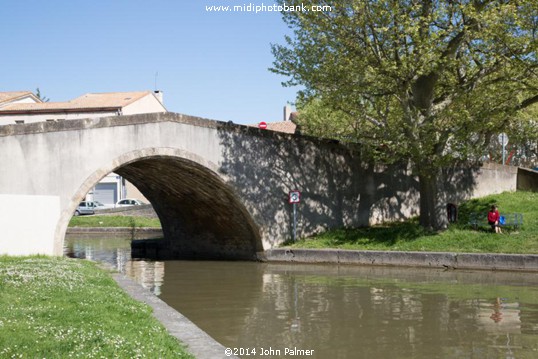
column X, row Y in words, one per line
column 262, row 125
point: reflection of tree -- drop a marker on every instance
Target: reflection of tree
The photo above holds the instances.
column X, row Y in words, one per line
column 339, row 315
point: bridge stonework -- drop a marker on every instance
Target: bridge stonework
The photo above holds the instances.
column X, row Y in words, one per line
column 219, row 189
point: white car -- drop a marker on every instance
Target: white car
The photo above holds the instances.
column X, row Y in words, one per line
column 84, row 208
column 126, row 202
column 99, row 206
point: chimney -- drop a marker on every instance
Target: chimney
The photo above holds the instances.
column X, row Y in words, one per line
column 159, row 95
column 287, row 112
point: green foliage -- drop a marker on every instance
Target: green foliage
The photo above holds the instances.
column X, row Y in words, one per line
column 423, row 80
column 523, row 139
column 65, row 308
column 460, row 237
column 317, row 119
column 430, row 82
column 114, row 221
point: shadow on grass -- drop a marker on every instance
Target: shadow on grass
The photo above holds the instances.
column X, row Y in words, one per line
column 386, row 234
column 460, row 236
column 479, row 205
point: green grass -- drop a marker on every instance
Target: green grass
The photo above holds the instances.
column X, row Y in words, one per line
column 409, row 236
column 60, row 308
column 114, row 221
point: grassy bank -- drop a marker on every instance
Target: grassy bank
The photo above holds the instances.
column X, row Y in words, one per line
column 64, row 308
column 114, row 221
column 460, row 237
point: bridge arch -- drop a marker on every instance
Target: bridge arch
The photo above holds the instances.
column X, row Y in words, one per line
column 201, row 215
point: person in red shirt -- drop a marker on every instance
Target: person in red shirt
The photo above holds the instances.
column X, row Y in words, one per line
column 493, row 219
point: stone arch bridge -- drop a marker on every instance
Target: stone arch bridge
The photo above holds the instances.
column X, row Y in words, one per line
column 220, row 190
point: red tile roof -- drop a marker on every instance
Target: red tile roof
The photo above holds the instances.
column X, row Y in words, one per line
column 282, row 126
column 91, row 102
column 13, row 95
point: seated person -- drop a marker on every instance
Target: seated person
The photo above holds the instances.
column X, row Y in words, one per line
column 493, row 219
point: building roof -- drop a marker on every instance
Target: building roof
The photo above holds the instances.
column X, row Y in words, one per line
column 91, row 102
column 110, row 99
column 15, row 95
column 282, row 126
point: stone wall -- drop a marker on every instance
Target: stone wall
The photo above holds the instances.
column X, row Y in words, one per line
column 338, row 189
column 527, row 180
column 145, row 210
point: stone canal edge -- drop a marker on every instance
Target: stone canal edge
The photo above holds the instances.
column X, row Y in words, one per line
column 440, row 260
column 196, row 341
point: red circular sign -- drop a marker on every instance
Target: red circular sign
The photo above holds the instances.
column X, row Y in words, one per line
column 262, row 125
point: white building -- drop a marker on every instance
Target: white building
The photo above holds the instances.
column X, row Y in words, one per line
column 19, row 107
column 24, row 107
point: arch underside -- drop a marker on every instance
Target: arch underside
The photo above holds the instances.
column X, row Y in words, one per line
column 200, row 215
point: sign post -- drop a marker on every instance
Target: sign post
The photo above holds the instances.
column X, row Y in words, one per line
column 294, row 198
column 503, row 139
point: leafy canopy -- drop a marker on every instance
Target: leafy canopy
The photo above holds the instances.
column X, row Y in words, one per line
column 430, row 81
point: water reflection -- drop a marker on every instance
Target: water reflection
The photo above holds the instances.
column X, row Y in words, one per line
column 116, row 252
column 346, row 311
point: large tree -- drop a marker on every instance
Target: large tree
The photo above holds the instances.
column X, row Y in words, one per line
column 430, row 82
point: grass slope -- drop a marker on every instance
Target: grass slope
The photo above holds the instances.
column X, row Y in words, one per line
column 114, row 221
column 65, row 308
column 409, row 236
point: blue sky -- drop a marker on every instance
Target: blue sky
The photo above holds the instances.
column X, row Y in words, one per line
column 209, row 64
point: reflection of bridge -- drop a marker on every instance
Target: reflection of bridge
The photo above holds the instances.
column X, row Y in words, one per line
column 220, row 190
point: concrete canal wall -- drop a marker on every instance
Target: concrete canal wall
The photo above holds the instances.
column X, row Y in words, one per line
column 113, row 232
column 483, row 261
column 527, row 180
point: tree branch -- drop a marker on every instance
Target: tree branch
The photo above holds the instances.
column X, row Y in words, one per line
column 526, row 103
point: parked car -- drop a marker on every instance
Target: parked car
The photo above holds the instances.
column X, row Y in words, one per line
column 85, row 208
column 126, row 202
column 100, row 206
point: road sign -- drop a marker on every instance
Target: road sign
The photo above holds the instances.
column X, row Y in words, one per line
column 503, row 139
column 295, row 197
column 262, row 125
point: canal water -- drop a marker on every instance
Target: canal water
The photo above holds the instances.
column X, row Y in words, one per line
column 328, row 311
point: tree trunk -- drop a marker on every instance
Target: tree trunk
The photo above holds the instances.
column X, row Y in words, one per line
column 433, row 214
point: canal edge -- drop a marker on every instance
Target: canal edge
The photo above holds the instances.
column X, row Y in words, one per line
column 118, row 230
column 441, row 260
column 196, row 341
